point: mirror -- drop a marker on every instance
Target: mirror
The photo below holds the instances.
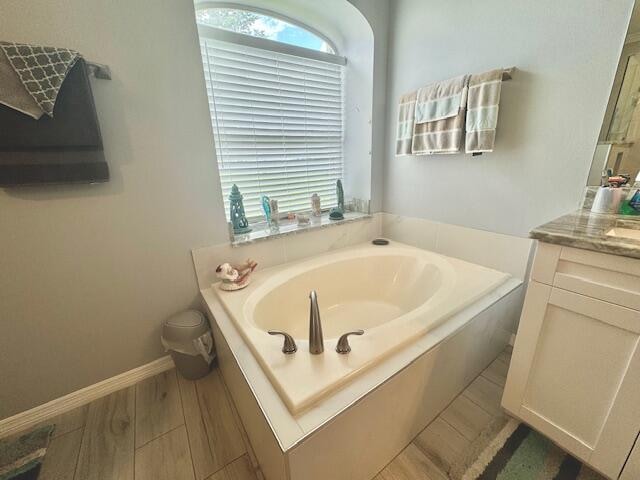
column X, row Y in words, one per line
column 618, row 147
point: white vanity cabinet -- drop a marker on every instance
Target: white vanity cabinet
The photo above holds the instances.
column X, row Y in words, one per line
column 575, row 369
column 631, row 469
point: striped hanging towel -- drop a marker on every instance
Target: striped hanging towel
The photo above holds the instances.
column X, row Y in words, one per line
column 439, row 117
column 482, row 111
column 406, row 118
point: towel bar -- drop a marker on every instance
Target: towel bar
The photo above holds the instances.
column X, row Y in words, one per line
column 508, row 73
column 99, row 70
column 103, row 72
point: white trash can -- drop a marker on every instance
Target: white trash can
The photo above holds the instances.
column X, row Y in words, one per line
column 187, row 337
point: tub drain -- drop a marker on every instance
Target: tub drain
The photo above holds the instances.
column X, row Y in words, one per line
column 380, row 241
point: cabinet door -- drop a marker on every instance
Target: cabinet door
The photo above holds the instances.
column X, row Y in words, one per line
column 632, row 467
column 574, row 374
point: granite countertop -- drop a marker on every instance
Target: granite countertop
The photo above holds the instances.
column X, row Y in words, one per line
column 583, row 229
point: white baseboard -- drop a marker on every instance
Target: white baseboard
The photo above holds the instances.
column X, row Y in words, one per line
column 41, row 413
column 512, row 339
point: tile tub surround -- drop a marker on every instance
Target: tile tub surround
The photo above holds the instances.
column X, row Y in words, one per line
column 367, row 415
column 275, row 251
column 506, row 253
column 261, row 231
column 586, row 230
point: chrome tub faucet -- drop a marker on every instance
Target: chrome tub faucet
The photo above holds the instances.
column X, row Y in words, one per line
column 316, row 341
column 343, row 346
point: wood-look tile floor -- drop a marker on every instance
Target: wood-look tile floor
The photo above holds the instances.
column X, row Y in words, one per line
column 169, row 428
column 163, row 428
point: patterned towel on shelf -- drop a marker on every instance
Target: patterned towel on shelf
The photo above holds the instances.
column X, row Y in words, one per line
column 482, row 111
column 41, row 71
column 439, row 117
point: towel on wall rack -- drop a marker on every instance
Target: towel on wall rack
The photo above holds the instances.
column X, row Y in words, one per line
column 39, row 71
column 65, row 148
column 439, row 117
column 482, row 111
column 406, row 120
column 432, row 119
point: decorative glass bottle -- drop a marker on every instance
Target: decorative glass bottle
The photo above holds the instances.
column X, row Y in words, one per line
column 316, row 208
column 266, row 208
column 275, row 214
column 338, row 212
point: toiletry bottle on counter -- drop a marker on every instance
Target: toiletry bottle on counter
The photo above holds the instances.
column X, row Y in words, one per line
column 631, row 204
column 609, row 196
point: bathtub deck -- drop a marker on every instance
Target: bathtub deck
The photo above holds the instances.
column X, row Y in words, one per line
column 170, row 428
column 401, row 296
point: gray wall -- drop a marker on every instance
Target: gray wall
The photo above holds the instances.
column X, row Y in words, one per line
column 550, row 114
column 88, row 273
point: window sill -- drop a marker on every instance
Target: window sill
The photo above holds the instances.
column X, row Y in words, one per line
column 261, row 231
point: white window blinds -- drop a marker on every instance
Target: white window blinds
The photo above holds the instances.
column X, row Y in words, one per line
column 278, row 124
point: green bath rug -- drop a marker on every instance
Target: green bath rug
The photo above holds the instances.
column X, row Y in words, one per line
column 513, row 451
column 21, row 457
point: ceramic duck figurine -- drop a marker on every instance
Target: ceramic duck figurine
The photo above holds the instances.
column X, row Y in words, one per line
column 235, row 277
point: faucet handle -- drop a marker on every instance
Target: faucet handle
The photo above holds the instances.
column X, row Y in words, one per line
column 289, row 343
column 343, row 343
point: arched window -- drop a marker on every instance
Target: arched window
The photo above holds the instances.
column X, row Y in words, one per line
column 262, row 25
column 275, row 93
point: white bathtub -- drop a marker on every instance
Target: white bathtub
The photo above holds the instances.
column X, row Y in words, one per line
column 395, row 293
